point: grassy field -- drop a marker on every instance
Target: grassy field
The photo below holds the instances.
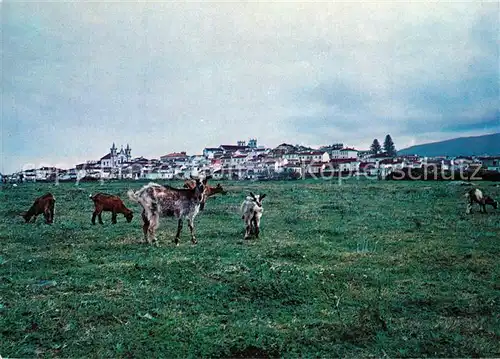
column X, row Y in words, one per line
column 361, row 269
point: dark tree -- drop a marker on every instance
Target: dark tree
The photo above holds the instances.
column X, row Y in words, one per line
column 375, row 148
column 389, row 147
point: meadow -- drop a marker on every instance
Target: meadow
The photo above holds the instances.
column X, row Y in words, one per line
column 361, row 268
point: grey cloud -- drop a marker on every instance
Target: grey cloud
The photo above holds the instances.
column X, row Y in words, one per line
column 180, row 76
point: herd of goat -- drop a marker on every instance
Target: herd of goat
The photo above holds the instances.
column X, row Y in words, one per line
column 159, row 201
column 184, row 204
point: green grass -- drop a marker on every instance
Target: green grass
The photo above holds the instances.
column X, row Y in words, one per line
column 364, row 268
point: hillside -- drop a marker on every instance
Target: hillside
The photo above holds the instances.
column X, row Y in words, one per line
column 465, row 146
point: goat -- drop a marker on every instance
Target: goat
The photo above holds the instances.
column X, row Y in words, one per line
column 42, row 205
column 209, row 190
column 165, row 201
column 476, row 196
column 109, row 203
column 252, row 210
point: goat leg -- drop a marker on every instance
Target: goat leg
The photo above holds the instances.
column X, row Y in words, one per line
column 152, row 236
column 145, row 226
column 179, row 229
column 49, row 215
column 191, row 228
column 255, row 227
column 145, row 229
column 248, row 230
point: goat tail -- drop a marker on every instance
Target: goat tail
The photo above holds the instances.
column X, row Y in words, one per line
column 133, row 197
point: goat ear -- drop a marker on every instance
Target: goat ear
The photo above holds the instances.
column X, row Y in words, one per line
column 262, row 196
column 252, row 195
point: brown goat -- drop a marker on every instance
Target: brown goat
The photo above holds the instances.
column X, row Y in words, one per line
column 165, row 201
column 109, row 203
column 209, row 190
column 42, row 205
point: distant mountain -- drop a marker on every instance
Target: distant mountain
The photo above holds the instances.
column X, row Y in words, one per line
column 462, row 146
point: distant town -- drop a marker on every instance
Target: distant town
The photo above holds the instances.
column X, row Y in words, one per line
column 249, row 161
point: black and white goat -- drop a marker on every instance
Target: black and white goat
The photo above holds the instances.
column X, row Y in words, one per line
column 165, row 201
column 251, row 213
column 476, row 196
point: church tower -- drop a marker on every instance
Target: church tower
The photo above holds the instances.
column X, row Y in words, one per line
column 113, row 154
column 113, row 150
column 128, row 151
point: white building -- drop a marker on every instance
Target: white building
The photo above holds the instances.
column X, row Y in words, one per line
column 316, row 156
column 342, row 153
column 115, row 159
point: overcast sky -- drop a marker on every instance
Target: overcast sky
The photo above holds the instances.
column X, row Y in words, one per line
column 167, row 77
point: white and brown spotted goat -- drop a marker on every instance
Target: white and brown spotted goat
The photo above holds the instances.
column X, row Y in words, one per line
column 165, row 201
column 251, row 210
column 476, row 196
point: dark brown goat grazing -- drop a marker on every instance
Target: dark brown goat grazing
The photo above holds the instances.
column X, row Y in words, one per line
column 165, row 201
column 43, row 205
column 209, row 190
column 475, row 195
column 109, row 203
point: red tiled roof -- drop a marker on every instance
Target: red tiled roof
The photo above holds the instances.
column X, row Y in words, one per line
column 486, row 158
column 363, row 165
column 233, row 147
column 175, row 154
column 343, row 160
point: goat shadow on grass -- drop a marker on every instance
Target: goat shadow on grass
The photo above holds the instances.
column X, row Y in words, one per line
column 241, row 240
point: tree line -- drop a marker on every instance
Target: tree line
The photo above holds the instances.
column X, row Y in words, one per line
column 388, row 148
